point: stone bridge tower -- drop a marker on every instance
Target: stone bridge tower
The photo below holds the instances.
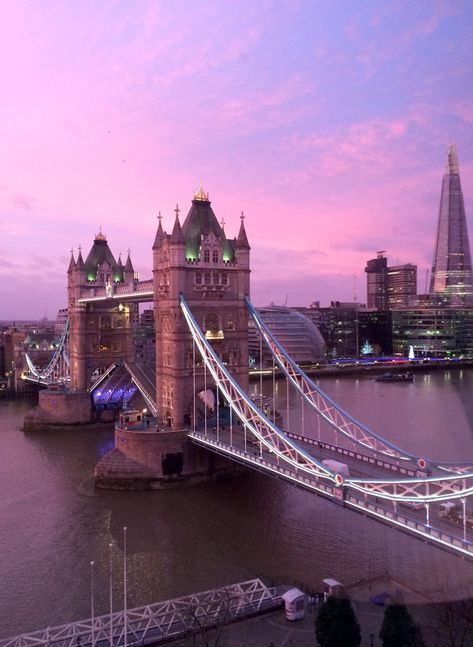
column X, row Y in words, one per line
column 99, row 333
column 212, row 272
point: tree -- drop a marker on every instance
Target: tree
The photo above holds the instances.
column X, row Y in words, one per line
column 399, row 629
column 453, row 622
column 336, row 624
column 367, row 348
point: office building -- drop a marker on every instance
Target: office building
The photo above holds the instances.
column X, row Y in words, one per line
column 451, row 272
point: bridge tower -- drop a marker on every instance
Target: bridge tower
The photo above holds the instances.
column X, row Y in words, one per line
column 99, row 333
column 212, row 272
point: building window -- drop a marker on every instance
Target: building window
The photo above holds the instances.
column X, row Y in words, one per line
column 224, row 278
column 215, row 278
column 215, row 256
column 207, row 278
column 206, row 256
column 198, row 278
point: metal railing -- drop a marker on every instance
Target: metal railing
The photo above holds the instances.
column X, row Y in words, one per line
column 157, row 622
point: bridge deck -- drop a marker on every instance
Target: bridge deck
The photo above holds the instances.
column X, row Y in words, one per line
column 415, row 522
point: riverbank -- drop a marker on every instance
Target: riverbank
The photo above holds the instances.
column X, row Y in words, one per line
column 363, row 368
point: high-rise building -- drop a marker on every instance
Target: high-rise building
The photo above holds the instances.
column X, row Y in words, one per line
column 389, row 287
column 377, row 282
column 402, row 285
column 451, row 272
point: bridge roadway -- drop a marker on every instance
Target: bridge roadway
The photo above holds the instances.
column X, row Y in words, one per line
column 424, row 523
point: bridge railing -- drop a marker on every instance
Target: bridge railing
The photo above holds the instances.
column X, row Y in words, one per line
column 341, row 494
column 372, row 460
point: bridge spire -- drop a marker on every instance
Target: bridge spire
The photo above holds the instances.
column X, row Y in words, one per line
column 242, row 240
column 72, row 263
column 129, row 264
column 160, row 232
column 176, row 236
column 80, row 260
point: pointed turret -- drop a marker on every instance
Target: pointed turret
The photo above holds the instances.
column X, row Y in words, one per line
column 242, row 240
column 159, row 233
column 80, row 265
column 176, row 236
column 129, row 264
column 72, row 264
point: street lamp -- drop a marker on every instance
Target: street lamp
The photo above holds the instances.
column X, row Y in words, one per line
column 110, row 546
column 124, row 589
column 92, row 610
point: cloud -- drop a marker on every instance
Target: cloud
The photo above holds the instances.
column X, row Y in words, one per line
column 23, row 201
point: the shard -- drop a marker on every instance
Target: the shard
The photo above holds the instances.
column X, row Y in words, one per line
column 451, row 272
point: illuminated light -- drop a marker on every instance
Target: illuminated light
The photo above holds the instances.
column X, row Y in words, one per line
column 339, row 479
column 91, row 277
column 227, row 256
column 422, row 463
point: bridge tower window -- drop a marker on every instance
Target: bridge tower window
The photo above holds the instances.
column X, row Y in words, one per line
column 215, row 255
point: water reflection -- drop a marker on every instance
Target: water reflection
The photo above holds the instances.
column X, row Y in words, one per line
column 185, row 540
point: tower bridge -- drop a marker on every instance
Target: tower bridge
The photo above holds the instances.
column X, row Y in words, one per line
column 204, row 422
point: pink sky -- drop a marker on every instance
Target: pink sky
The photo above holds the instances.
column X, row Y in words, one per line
column 325, row 122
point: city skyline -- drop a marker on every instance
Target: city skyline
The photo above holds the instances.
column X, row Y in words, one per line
column 327, row 125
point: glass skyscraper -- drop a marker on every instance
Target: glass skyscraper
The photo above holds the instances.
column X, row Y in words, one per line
column 451, row 272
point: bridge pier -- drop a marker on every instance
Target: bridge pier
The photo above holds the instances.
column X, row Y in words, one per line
column 60, row 409
column 158, row 459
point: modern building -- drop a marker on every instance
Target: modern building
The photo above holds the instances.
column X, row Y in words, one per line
column 433, row 332
column 377, row 282
column 300, row 337
column 451, row 272
column 338, row 326
column 349, row 328
column 389, row 287
column 441, row 322
column 402, row 285
column 375, row 332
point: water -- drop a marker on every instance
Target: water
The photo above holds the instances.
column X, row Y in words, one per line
column 53, row 523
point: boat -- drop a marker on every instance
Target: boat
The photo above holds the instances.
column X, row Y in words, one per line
column 395, row 377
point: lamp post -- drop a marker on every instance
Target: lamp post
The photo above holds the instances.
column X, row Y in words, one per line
column 111, row 593
column 463, row 500
column 125, row 628
column 92, row 609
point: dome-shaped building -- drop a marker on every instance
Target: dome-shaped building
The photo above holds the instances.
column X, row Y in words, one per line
column 298, row 335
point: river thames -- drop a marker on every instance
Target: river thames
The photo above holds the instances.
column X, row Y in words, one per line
column 53, row 523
